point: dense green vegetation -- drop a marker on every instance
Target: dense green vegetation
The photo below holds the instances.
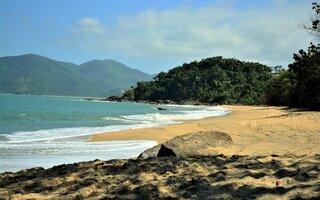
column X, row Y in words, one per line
column 299, row 86
column 279, row 88
column 305, row 72
column 212, row 80
column 33, row 74
column 230, row 81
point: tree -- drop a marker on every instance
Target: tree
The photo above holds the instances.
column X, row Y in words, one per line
column 305, row 71
column 314, row 27
column 212, row 80
column 305, row 75
column 129, row 94
column 280, row 88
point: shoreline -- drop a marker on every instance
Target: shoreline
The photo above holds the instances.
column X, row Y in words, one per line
column 255, row 130
column 136, row 133
column 280, row 159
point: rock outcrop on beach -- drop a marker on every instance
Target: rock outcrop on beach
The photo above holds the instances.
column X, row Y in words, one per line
column 193, row 177
column 189, row 144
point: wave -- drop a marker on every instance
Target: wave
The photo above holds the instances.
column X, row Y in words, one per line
column 66, row 148
column 15, row 157
column 65, row 133
column 172, row 116
column 177, row 116
column 66, row 145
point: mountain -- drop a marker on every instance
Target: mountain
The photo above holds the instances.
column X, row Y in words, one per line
column 111, row 76
column 34, row 74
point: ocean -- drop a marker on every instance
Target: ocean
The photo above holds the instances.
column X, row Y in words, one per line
column 44, row 131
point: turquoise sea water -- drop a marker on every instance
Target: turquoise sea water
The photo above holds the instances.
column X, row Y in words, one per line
column 48, row 130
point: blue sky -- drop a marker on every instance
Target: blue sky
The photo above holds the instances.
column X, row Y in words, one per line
column 155, row 36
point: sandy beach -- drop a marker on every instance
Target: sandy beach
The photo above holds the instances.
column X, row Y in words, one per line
column 195, row 177
column 274, row 155
column 255, row 130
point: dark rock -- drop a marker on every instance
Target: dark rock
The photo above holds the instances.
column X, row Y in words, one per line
column 161, row 108
column 114, row 98
column 165, row 152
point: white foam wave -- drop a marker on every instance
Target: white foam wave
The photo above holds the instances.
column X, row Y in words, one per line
column 64, row 133
column 15, row 157
column 57, row 146
column 122, row 119
column 162, row 119
column 94, row 100
column 133, row 122
column 63, row 148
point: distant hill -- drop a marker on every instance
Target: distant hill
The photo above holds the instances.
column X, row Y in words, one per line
column 111, row 76
column 34, row 74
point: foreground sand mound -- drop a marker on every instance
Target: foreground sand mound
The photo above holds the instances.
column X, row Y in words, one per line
column 189, row 144
column 195, row 177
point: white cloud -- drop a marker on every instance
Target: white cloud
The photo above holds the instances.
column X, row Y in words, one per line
column 265, row 35
column 87, row 21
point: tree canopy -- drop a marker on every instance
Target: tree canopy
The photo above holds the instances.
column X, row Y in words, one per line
column 299, row 86
column 230, row 81
column 305, row 76
column 314, row 27
column 211, row 80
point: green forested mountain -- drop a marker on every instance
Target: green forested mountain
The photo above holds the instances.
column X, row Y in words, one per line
column 212, row 80
column 34, row 74
column 110, row 75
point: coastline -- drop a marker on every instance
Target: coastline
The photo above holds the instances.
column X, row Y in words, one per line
column 273, row 142
column 255, row 130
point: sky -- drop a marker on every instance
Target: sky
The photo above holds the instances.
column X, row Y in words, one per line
column 155, row 36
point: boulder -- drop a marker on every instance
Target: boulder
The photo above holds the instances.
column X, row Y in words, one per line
column 152, row 152
column 189, row 144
